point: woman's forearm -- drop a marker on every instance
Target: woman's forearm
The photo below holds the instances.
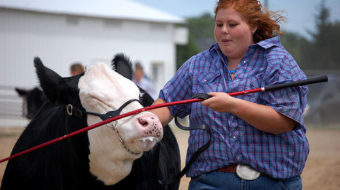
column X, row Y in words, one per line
column 262, row 117
column 163, row 113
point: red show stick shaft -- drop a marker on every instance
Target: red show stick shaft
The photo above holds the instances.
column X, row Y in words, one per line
column 263, row 89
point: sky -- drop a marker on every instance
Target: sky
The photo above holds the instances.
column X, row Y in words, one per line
column 300, row 14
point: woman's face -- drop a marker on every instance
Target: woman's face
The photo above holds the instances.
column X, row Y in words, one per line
column 232, row 33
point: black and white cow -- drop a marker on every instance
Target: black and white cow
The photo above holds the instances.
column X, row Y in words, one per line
column 107, row 157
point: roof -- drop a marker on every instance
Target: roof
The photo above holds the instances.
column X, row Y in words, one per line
column 114, row 9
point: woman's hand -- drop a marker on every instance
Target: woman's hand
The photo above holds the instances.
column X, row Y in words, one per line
column 220, row 102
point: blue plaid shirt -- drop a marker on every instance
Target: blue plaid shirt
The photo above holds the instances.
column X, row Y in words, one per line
column 234, row 140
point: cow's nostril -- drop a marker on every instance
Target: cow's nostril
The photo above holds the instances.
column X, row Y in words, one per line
column 143, row 122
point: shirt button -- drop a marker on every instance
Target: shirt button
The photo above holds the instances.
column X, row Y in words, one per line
column 234, row 137
column 238, row 158
column 244, row 61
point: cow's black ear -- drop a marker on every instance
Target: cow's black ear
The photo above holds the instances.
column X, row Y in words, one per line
column 21, row 92
column 145, row 97
column 49, row 80
column 122, row 65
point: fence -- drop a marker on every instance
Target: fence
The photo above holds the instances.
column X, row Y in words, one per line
column 10, row 108
column 324, row 100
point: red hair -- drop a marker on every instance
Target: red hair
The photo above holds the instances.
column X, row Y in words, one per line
column 267, row 22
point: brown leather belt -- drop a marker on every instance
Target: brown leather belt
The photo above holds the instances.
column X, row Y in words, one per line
column 231, row 168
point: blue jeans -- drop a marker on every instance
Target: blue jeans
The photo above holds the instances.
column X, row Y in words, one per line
column 230, row 181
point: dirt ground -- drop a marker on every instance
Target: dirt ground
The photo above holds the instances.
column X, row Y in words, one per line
column 322, row 169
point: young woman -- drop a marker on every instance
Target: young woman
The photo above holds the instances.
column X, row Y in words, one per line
column 258, row 140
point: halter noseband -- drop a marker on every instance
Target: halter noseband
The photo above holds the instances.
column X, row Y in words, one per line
column 73, row 111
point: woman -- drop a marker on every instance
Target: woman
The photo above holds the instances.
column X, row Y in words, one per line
column 258, row 140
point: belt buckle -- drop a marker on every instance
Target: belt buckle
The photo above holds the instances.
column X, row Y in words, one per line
column 246, row 172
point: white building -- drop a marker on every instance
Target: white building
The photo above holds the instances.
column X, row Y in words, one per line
column 61, row 32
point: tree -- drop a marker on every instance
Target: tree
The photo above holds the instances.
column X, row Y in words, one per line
column 295, row 44
column 202, row 30
column 184, row 52
column 201, row 37
column 322, row 51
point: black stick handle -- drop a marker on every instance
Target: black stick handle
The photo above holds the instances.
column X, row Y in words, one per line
column 318, row 79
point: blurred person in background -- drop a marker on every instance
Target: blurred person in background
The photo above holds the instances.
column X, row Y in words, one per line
column 143, row 81
column 76, row 69
column 258, row 140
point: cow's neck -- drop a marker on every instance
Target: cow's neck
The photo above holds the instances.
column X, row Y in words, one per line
column 107, row 162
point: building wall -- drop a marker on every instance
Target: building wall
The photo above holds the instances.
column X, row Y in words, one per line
column 60, row 40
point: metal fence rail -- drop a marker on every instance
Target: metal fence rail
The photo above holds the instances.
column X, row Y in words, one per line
column 10, row 103
column 324, row 100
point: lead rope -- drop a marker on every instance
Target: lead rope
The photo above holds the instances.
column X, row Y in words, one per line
column 178, row 176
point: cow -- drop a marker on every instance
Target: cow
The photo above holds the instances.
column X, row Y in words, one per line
column 32, row 101
column 131, row 153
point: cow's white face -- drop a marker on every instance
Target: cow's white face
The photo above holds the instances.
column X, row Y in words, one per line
column 111, row 154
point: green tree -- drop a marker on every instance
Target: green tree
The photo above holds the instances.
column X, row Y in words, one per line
column 184, row 52
column 294, row 44
column 201, row 37
column 202, row 30
column 322, row 53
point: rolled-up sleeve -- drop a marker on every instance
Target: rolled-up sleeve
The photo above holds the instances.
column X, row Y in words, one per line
column 291, row 101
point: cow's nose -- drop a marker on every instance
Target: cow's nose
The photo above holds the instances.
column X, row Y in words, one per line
column 144, row 122
column 146, row 119
column 149, row 124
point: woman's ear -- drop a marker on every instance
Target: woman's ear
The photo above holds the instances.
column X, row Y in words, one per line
column 253, row 29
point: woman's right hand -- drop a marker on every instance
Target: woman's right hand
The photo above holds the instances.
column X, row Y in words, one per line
column 220, row 102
